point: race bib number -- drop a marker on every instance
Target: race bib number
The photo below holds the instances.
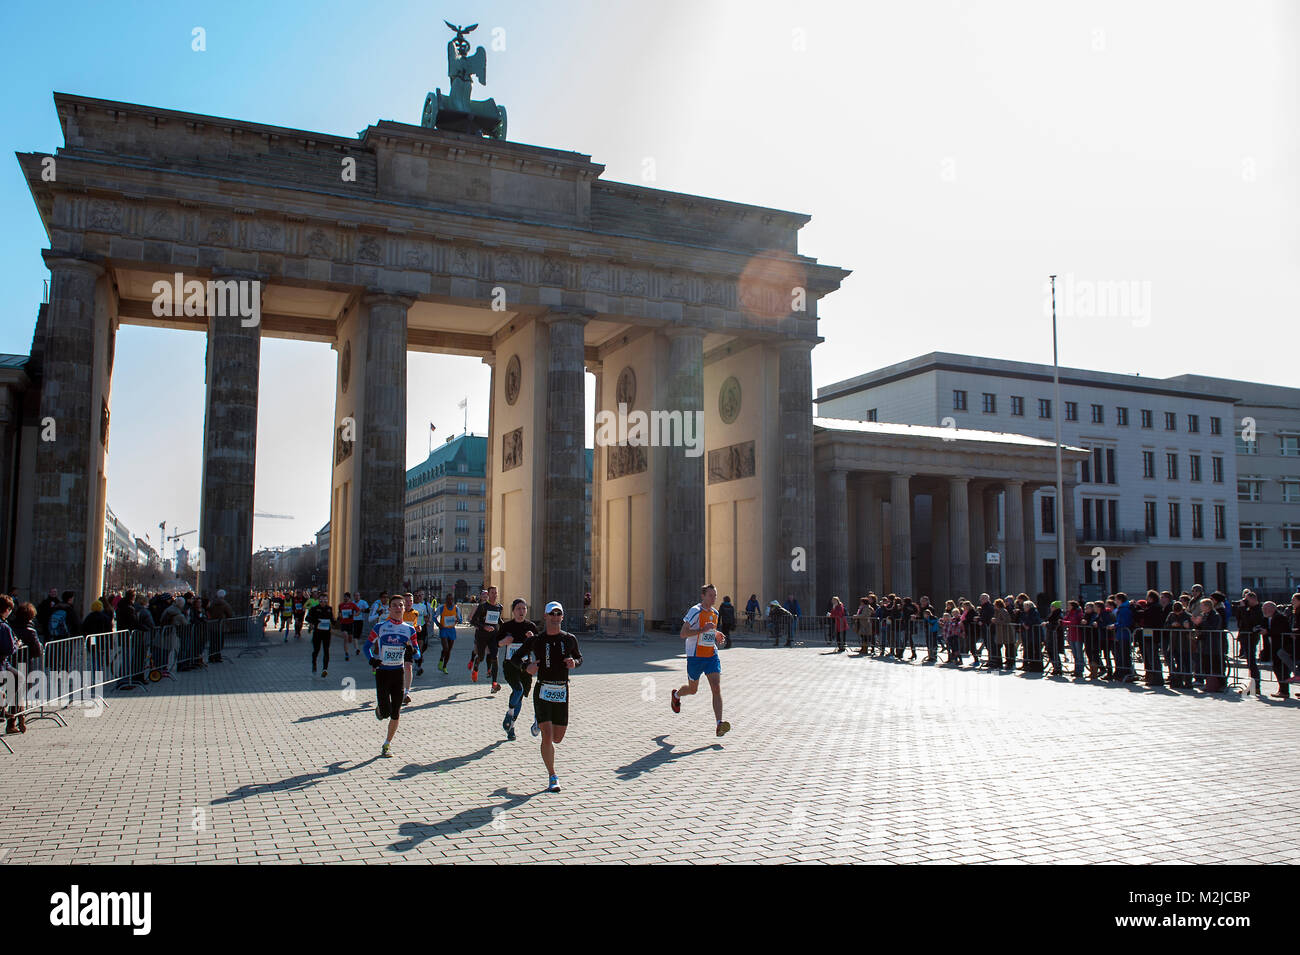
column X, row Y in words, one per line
column 393, row 655
column 345, row 614
column 554, row 692
column 709, row 638
column 491, row 617
column 323, row 625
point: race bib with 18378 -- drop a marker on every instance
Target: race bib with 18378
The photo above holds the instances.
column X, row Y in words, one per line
column 554, row 692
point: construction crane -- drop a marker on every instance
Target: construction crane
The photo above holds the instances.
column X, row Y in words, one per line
column 177, row 536
column 278, row 517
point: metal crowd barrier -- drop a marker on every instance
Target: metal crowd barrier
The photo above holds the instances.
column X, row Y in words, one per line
column 75, row 670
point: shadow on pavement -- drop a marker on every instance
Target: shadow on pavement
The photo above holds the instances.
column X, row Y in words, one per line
column 465, row 820
column 411, row 770
column 659, row 758
column 291, row 784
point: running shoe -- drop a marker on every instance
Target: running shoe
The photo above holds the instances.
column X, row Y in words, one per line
column 386, row 751
column 473, row 675
column 676, row 702
column 419, row 671
column 507, row 722
column 470, row 664
column 324, row 674
column 510, row 734
column 378, row 715
column 536, row 730
column 554, row 787
column 406, row 700
column 496, row 687
column 724, row 728
column 442, row 667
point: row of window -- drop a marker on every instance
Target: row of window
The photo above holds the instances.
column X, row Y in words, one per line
column 1288, row 445
column 1252, row 489
column 989, row 405
column 1252, row 536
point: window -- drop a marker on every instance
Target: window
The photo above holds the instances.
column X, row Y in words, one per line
column 1216, row 470
column 1220, row 523
column 462, row 505
column 1085, row 471
column 462, row 487
column 1290, row 492
column 1171, row 466
column 1221, row 576
column 462, row 526
column 1175, row 519
column 1247, row 447
column 1148, row 464
column 1017, row 406
column 1176, row 577
column 1097, row 461
column 1194, row 469
column 1153, row 575
column 959, row 401
column 1290, row 445
column 1110, row 466
column 1194, row 426
column 1048, row 505
column 1216, row 427
column 990, row 403
column 1098, row 414
column 1248, row 489
column 1149, row 507
column 1291, row 536
column 1121, row 417
column 1198, row 571
column 1171, row 421
column 1044, row 407
column 1252, row 537
column 871, row 415
column 1198, row 524
column 1146, row 418
column 1112, row 514
column 1071, row 411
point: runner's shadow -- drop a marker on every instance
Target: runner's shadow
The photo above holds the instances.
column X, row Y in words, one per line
column 292, row 784
column 656, row 759
column 411, row 770
column 465, row 820
column 443, row 702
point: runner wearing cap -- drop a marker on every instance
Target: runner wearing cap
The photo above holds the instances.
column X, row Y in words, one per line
column 553, row 654
column 700, row 631
column 386, row 649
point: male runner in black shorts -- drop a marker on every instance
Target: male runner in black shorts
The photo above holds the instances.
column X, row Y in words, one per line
column 516, row 630
column 554, row 653
column 386, row 650
column 486, row 622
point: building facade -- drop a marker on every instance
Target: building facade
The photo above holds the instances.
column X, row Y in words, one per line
column 1155, row 500
column 1266, row 438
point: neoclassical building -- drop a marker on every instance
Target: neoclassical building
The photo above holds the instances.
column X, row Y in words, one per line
column 410, row 238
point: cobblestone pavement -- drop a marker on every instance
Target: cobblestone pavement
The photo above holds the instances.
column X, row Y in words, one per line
column 832, row 758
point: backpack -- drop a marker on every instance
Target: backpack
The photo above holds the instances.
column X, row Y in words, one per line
column 59, row 623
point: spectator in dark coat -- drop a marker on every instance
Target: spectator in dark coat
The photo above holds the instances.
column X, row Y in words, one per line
column 21, row 625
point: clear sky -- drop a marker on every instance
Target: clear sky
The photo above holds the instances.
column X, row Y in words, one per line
column 951, row 154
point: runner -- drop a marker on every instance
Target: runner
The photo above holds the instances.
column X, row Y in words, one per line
column 359, row 621
column 347, row 617
column 386, row 648
column 277, row 604
column 486, row 619
column 447, row 617
column 516, row 630
column 299, row 611
column 700, row 631
column 553, row 653
column 423, row 612
column 319, row 621
column 412, row 620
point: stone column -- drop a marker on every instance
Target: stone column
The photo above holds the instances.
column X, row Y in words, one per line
column 900, row 538
column 959, row 542
column 68, row 442
column 796, row 504
column 229, row 459
column 978, row 542
column 491, row 362
column 381, row 444
column 836, row 516
column 868, row 531
column 565, row 515
column 940, row 586
column 597, row 479
column 1030, row 516
column 685, row 477
column 994, row 577
column 1014, row 530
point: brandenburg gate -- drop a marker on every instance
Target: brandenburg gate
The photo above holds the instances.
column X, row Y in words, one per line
column 437, row 238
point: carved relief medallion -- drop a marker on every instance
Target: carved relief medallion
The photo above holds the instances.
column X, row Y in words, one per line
column 729, row 400
column 625, row 389
column 513, row 376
